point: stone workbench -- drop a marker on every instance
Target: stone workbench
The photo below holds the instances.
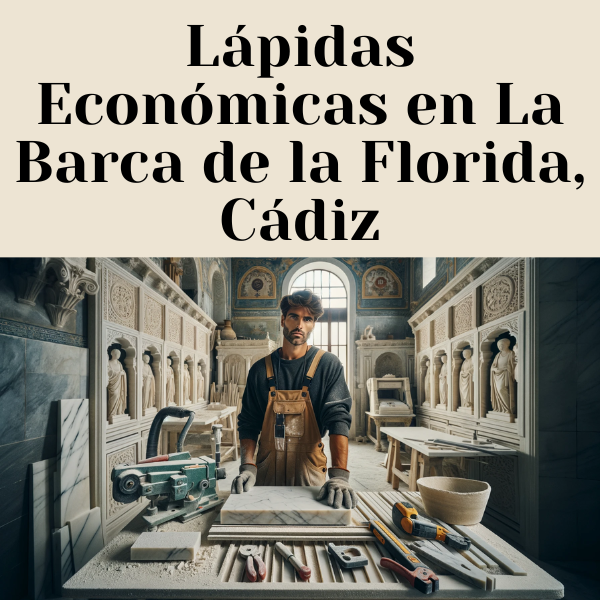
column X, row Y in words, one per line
column 218, row 570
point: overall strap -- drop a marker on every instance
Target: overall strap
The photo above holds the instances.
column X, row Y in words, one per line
column 270, row 375
column 311, row 372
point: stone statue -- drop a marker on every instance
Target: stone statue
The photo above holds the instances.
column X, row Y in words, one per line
column 427, row 383
column 443, row 380
column 148, row 384
column 170, row 382
column 516, row 351
column 199, row 383
column 186, row 383
column 503, row 378
column 465, row 383
column 368, row 333
column 117, row 386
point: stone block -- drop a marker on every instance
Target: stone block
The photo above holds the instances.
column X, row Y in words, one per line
column 282, row 505
column 62, row 558
column 558, row 278
column 558, row 454
column 558, row 322
column 86, row 537
column 54, row 359
column 588, row 455
column 167, row 545
column 12, row 389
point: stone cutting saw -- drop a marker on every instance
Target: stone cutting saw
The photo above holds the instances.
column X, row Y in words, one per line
column 177, row 485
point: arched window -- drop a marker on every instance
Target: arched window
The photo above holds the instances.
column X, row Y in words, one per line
column 331, row 330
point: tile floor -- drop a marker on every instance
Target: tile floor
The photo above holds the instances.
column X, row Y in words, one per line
column 369, row 475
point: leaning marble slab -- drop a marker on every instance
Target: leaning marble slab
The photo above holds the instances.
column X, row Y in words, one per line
column 281, row 505
column 86, row 537
column 41, row 514
column 167, row 545
column 62, row 558
column 73, row 494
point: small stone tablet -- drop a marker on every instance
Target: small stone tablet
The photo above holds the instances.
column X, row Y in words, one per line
column 166, row 545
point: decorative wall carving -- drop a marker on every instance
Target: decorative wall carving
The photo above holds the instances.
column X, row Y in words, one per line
column 153, row 317
column 512, row 326
column 189, row 338
column 174, row 328
column 439, row 329
column 501, row 473
column 504, row 294
column 388, row 363
column 124, row 456
column 120, row 300
column 112, row 335
column 257, row 283
column 463, row 315
column 380, row 282
column 423, row 338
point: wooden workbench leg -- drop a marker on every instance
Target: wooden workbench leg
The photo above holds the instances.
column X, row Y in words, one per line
column 426, row 466
column 378, row 444
column 390, row 460
column 396, row 465
column 414, row 467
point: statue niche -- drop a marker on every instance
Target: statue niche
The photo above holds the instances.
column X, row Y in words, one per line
column 427, row 385
column 148, row 386
column 171, row 387
column 116, row 389
column 443, row 383
column 187, row 384
column 199, row 383
column 502, row 382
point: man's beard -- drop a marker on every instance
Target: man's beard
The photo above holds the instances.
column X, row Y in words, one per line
column 295, row 341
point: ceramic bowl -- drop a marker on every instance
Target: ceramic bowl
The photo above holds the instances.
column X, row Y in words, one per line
column 454, row 500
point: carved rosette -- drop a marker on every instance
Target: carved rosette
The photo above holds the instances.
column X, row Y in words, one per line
column 174, row 328
column 189, row 337
column 439, row 329
column 153, row 317
column 124, row 456
column 504, row 294
column 463, row 315
column 120, row 300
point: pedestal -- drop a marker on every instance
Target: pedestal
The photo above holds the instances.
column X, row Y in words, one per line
column 465, row 410
column 500, row 416
column 118, row 419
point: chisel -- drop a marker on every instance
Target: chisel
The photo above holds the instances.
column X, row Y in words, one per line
column 302, row 570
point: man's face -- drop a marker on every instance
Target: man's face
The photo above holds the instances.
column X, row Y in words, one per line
column 297, row 325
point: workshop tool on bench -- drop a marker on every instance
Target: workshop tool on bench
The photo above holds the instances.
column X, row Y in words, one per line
column 255, row 567
column 302, row 570
column 406, row 517
column 404, row 562
column 177, row 485
column 348, row 557
column 456, row 565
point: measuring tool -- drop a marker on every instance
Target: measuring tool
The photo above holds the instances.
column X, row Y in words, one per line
column 406, row 517
column 404, row 562
column 348, row 557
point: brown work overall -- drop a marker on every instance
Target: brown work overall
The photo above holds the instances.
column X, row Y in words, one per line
column 290, row 449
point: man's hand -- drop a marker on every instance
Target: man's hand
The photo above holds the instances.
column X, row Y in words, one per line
column 245, row 481
column 337, row 490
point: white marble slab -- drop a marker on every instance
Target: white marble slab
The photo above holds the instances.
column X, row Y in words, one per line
column 73, row 495
column 86, row 537
column 41, row 516
column 62, row 558
column 167, row 545
column 282, row 505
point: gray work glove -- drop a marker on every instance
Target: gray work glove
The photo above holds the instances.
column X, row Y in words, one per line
column 337, row 490
column 245, row 481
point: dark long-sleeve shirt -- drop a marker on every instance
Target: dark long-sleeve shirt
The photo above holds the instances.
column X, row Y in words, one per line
column 328, row 391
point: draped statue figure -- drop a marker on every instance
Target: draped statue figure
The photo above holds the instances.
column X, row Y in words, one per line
column 170, row 382
column 427, row 383
column 117, row 386
column 503, row 379
column 466, row 379
column 199, row 383
column 148, row 384
column 443, row 380
column 186, row 383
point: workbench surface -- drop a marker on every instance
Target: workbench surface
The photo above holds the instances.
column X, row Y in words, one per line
column 218, row 570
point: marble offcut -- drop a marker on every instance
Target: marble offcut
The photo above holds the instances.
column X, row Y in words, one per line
column 62, row 558
column 166, row 545
column 282, row 505
column 86, row 537
column 73, row 495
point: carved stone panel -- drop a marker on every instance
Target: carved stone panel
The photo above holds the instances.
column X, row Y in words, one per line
column 189, row 336
column 439, row 329
column 388, row 364
column 423, row 338
column 463, row 315
column 504, row 294
column 120, row 300
column 174, row 328
column 501, row 473
column 202, row 341
column 153, row 317
column 126, row 455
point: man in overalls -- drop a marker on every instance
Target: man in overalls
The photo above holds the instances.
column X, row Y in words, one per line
column 292, row 397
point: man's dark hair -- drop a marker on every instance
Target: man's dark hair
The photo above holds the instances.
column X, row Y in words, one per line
column 304, row 298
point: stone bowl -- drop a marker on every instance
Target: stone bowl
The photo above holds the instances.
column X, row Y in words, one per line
column 454, row 500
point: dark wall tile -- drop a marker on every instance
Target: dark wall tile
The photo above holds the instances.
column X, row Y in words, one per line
column 588, row 278
column 43, row 391
column 558, row 322
column 587, row 545
column 588, row 387
column 14, row 500
column 84, row 387
column 577, row 494
column 588, row 321
column 55, row 359
column 550, row 547
column 14, row 458
column 557, row 387
column 15, row 543
column 12, row 389
column 558, row 279
column 558, row 454
column 588, row 455
column 14, row 581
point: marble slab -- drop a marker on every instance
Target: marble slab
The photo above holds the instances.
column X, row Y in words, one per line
column 282, row 505
column 62, row 558
column 40, row 548
column 167, row 545
column 86, row 537
column 73, row 494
